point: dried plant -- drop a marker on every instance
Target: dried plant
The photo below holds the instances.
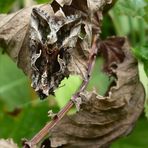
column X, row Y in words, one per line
column 50, row 42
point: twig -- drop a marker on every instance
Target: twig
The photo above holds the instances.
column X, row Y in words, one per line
column 45, row 130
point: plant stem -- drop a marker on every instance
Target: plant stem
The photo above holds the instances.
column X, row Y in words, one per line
column 50, row 125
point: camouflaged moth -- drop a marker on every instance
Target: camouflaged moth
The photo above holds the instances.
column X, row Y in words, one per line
column 51, row 39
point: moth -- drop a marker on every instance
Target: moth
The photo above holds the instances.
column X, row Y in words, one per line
column 51, row 37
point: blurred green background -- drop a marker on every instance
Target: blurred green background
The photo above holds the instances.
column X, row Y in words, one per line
column 22, row 114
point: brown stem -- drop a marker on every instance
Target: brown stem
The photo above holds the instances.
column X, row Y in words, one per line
column 44, row 131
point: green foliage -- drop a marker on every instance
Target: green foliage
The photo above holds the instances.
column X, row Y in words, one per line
column 6, row 5
column 14, row 86
column 130, row 19
column 142, row 54
column 26, row 123
column 144, row 81
column 22, row 114
column 66, row 89
column 131, row 7
column 137, row 139
column 99, row 80
column 43, row 1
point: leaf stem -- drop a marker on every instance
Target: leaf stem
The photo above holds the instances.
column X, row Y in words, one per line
column 50, row 125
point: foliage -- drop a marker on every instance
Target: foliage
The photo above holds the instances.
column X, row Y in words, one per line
column 142, row 54
column 130, row 19
column 135, row 139
column 19, row 104
column 6, row 5
column 66, row 90
column 12, row 79
column 126, row 16
column 42, row 1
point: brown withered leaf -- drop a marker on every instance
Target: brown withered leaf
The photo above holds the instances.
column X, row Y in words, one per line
column 59, row 44
column 111, row 50
column 88, row 6
column 14, row 36
column 49, row 42
column 49, row 47
column 64, row 2
column 104, row 119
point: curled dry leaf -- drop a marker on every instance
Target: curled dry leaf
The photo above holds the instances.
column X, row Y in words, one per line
column 49, row 42
column 64, row 2
column 14, row 36
column 59, row 44
column 103, row 119
column 52, row 39
column 49, row 47
column 7, row 143
column 111, row 50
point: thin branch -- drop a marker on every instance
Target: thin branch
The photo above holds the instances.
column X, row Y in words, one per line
column 45, row 130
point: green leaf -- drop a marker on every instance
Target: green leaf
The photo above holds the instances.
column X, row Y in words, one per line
column 14, row 85
column 66, row 89
column 6, row 5
column 144, row 80
column 129, row 20
column 141, row 53
column 20, row 116
column 146, row 10
column 27, row 123
column 43, row 1
column 131, row 7
column 146, row 66
column 99, row 80
column 137, row 139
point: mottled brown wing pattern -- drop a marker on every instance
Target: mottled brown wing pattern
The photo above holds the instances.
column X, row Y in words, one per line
column 49, row 44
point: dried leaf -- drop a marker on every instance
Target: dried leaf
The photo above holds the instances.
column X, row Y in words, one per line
column 102, row 119
column 94, row 5
column 49, row 47
column 14, row 36
column 59, row 44
column 8, row 143
column 59, row 40
column 51, row 38
column 111, row 50
column 64, row 2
